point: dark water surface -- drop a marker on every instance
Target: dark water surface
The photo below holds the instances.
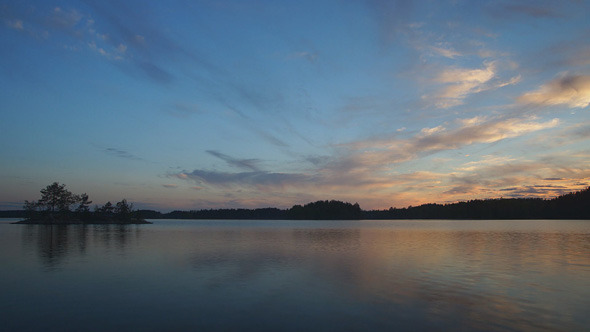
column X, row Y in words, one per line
column 297, row 275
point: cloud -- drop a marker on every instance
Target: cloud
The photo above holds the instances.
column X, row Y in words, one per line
column 462, row 75
column 329, row 172
column 254, row 178
column 309, row 56
column 431, row 140
column 365, row 172
column 121, row 154
column 392, row 17
column 182, row 110
column 170, row 186
column 535, row 191
column 579, row 55
column 459, row 83
column 495, row 176
column 431, row 131
column 504, row 176
column 274, row 140
column 536, row 10
column 114, row 53
column 314, row 185
column 65, row 19
column 79, row 26
column 570, row 90
column 526, row 9
column 366, row 165
column 110, row 29
column 487, row 160
column 142, row 48
column 581, row 131
column 15, row 24
column 487, row 132
column 445, row 52
column 249, row 164
column 156, row 72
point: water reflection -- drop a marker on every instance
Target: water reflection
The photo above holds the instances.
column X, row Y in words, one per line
column 458, row 279
column 378, row 277
column 51, row 242
column 56, row 244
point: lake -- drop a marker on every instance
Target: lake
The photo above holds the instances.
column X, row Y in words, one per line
column 404, row 275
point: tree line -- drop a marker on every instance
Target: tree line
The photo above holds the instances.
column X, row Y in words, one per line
column 57, row 203
column 574, row 205
column 327, row 210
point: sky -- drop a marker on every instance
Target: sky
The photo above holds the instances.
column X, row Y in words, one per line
column 246, row 104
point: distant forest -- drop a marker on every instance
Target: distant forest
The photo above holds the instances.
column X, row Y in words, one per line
column 320, row 210
column 570, row 206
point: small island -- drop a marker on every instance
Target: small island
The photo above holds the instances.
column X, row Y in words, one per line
column 59, row 206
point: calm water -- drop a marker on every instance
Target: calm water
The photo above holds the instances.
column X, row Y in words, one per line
column 297, row 275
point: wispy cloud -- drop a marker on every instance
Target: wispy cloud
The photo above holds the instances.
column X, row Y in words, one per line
column 121, row 154
column 15, row 24
column 250, row 164
column 485, row 161
column 537, row 9
column 445, row 51
column 115, row 33
column 580, row 131
column 183, row 110
column 570, row 90
column 515, row 177
column 309, row 56
column 430, row 140
column 66, row 19
column 80, row 27
column 393, row 17
column 155, row 72
column 261, row 179
column 366, row 166
column 459, row 83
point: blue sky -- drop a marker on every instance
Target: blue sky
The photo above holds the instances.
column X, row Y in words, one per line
column 209, row 104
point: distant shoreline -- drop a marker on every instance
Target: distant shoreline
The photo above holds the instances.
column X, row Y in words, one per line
column 574, row 206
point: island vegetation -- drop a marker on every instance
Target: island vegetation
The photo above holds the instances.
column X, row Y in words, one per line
column 58, row 205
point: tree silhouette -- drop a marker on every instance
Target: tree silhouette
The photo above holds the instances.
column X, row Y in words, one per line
column 123, row 210
column 55, row 197
column 83, row 204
